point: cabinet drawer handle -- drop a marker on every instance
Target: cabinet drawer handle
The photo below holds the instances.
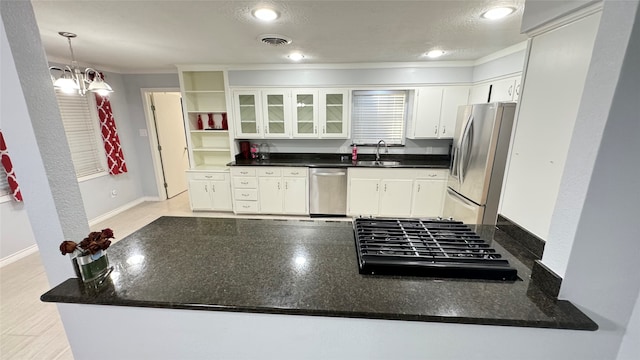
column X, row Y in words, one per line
column 433, row 175
column 269, row 172
column 244, row 194
column 295, row 173
column 208, row 176
column 245, row 206
column 244, row 172
column 244, row 182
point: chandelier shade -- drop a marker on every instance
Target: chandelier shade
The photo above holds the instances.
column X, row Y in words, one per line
column 71, row 80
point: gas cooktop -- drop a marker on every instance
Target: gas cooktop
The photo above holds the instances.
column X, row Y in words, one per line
column 427, row 247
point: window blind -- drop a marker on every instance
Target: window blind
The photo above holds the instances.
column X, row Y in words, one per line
column 81, row 128
column 378, row 115
column 4, row 184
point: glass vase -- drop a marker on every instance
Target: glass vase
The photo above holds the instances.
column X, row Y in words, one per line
column 93, row 267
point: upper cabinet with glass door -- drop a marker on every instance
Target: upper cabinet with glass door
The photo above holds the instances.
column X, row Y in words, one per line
column 305, row 113
column 334, row 113
column 322, row 113
column 248, row 113
column 276, row 113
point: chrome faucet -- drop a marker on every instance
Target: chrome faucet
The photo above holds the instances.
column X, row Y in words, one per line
column 386, row 149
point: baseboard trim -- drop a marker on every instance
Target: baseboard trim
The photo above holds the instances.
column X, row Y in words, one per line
column 18, row 255
column 531, row 242
column 545, row 279
column 122, row 208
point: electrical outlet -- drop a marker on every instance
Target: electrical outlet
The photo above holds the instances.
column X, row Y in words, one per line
column 114, row 193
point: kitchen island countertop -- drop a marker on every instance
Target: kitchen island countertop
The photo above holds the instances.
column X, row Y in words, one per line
column 300, row 267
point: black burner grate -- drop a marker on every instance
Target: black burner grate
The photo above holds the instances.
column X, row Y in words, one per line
column 439, row 248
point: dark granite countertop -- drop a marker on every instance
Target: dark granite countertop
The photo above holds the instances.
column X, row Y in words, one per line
column 335, row 160
column 300, row 267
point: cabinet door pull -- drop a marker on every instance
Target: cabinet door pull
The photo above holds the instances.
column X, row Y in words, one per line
column 518, row 90
column 435, row 131
column 213, row 188
column 206, row 188
column 315, row 129
column 286, row 185
column 377, row 187
column 324, row 129
column 278, row 185
column 444, row 129
column 510, row 92
column 418, row 187
column 257, row 129
column 385, row 187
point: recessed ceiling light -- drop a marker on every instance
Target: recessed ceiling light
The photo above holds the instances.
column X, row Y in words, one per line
column 435, row 53
column 295, row 56
column 265, row 14
column 497, row 13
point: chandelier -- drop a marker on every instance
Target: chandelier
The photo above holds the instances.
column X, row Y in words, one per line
column 72, row 80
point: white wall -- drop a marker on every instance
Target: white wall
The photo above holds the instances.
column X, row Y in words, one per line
column 511, row 64
column 540, row 12
column 630, row 347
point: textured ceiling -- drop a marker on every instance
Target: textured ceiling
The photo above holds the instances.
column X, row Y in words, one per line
column 147, row 36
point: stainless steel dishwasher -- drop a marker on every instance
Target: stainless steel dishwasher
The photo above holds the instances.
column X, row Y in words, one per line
column 327, row 191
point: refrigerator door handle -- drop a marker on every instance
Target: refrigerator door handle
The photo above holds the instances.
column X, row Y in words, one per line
column 453, row 166
column 465, row 149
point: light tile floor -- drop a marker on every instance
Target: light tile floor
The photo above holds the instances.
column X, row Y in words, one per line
column 31, row 329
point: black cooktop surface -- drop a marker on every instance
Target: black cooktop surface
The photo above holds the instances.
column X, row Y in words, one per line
column 427, row 247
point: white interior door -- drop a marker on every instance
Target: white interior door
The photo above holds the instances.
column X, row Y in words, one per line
column 171, row 139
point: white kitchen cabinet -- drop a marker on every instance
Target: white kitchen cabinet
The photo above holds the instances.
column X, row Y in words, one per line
column 364, row 195
column 271, row 190
column 248, row 114
column 305, row 113
column 395, row 197
column 276, row 113
column 435, row 111
column 334, row 113
column 505, row 90
column 498, row 90
column 296, row 192
column 428, row 194
column 320, row 113
column 270, row 195
column 209, row 191
column 396, row 192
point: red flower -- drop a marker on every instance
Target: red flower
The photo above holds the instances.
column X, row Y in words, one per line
column 67, row 247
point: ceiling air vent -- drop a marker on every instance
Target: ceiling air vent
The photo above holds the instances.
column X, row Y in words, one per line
column 274, row 39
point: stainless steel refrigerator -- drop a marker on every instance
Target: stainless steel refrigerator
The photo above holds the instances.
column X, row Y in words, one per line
column 478, row 160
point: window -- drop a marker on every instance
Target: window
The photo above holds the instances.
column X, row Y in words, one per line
column 378, row 115
column 81, row 125
column 4, row 184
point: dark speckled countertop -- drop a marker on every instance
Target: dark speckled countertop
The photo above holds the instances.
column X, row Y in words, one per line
column 304, row 267
column 335, row 160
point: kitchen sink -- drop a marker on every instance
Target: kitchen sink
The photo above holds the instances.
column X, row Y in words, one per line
column 378, row 163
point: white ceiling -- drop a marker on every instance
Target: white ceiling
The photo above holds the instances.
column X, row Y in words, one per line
column 155, row 35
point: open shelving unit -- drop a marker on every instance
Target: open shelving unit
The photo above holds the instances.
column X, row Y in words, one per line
column 204, row 96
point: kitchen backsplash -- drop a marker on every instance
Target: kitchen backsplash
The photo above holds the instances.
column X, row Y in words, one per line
column 436, row 147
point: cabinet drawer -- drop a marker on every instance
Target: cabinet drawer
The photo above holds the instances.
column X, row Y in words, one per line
column 433, row 174
column 243, row 171
column 301, row 172
column 208, row 176
column 246, row 206
column 246, row 194
column 245, row 183
column 269, row 172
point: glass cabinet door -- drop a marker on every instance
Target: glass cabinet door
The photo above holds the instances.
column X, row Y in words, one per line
column 276, row 113
column 248, row 116
column 334, row 113
column 305, row 114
